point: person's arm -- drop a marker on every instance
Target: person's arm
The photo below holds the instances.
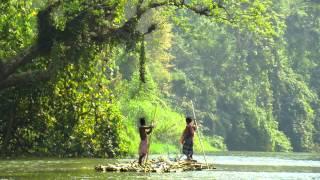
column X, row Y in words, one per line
column 149, row 131
column 149, row 128
column 146, row 127
column 194, row 127
column 181, row 139
column 191, row 130
column 183, row 136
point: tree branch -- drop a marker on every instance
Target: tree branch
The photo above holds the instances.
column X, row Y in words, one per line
column 19, row 60
column 47, row 34
column 25, row 79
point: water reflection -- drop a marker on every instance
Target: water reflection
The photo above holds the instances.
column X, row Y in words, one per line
column 231, row 165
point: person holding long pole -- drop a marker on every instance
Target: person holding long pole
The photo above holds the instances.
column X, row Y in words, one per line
column 194, row 116
column 143, row 131
column 152, row 124
column 187, row 138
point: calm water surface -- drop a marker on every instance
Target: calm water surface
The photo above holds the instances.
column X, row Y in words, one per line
column 230, row 165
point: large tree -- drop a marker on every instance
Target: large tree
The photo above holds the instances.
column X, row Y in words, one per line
column 57, row 62
column 75, row 24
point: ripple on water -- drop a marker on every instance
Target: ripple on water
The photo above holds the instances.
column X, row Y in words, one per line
column 228, row 167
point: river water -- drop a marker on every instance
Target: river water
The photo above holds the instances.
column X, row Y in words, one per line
column 230, row 165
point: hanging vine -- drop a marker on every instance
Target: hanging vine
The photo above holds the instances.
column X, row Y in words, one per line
column 142, row 61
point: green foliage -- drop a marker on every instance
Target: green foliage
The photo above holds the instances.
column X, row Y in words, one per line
column 145, row 101
column 88, row 117
column 250, row 67
column 75, row 114
column 233, row 75
column 17, row 26
column 217, row 142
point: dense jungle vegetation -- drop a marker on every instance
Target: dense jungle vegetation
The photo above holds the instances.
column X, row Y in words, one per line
column 76, row 75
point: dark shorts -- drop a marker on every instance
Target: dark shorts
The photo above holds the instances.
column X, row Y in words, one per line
column 188, row 147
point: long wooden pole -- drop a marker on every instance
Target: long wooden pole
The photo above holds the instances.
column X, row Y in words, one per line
column 154, row 115
column 195, row 120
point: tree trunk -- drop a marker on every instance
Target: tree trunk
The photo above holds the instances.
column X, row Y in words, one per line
column 8, row 135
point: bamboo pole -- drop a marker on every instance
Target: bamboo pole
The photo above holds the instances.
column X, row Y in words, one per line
column 194, row 117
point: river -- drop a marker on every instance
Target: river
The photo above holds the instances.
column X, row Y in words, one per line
column 230, row 165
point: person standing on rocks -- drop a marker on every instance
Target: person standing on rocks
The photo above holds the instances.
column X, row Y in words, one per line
column 144, row 131
column 187, row 138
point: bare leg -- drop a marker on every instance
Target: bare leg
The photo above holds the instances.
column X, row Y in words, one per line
column 141, row 158
column 189, row 157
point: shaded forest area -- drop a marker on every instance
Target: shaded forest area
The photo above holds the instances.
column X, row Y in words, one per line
column 76, row 75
